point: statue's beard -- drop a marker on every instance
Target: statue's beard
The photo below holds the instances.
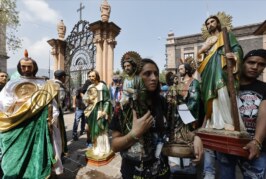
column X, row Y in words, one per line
column 182, row 74
column 212, row 29
column 28, row 74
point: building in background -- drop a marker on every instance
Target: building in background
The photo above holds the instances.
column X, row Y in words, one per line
column 250, row 37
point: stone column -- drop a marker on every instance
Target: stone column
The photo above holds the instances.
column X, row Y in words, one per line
column 58, row 53
column 110, row 63
column 58, row 47
column 104, row 39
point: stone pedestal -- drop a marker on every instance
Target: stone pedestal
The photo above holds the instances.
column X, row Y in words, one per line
column 104, row 39
column 58, row 53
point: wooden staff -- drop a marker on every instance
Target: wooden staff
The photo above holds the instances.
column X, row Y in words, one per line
column 231, row 81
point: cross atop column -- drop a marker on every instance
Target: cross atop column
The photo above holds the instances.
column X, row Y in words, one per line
column 80, row 11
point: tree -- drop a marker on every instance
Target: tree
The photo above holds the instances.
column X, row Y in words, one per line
column 162, row 76
column 9, row 21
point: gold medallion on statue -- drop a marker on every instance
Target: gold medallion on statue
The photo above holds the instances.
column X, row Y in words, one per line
column 25, row 89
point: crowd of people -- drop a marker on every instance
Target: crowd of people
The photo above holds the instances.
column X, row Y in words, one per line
column 144, row 123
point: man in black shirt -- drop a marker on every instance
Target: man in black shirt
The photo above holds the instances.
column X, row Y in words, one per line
column 79, row 107
column 252, row 105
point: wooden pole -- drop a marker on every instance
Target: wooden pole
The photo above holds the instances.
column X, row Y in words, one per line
column 231, row 81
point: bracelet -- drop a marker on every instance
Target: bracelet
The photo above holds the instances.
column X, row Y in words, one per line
column 257, row 142
column 257, row 145
column 133, row 135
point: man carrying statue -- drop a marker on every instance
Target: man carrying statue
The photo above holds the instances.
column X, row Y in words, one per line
column 30, row 139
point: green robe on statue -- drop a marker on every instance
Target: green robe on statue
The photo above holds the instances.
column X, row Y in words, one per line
column 27, row 149
column 213, row 71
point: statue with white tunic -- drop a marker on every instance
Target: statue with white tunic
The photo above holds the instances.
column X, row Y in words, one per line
column 28, row 106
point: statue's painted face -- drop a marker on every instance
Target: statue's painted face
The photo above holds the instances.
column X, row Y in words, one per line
column 182, row 70
column 92, row 77
column 211, row 25
column 128, row 68
column 27, row 68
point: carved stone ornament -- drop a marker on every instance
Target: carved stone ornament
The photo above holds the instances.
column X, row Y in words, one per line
column 26, row 89
column 61, row 30
column 105, row 11
column 226, row 21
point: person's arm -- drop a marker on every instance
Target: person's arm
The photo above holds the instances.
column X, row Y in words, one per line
column 198, row 149
column 255, row 145
column 74, row 102
column 139, row 127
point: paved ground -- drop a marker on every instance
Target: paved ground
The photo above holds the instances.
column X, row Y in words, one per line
column 75, row 164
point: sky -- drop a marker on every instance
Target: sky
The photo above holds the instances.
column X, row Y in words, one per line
column 144, row 24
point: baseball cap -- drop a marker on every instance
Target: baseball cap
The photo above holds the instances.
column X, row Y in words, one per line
column 256, row 52
column 60, row 73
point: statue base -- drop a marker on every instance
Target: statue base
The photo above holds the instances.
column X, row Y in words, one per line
column 178, row 150
column 96, row 160
column 229, row 142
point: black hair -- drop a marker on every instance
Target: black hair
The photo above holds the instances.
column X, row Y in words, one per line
column 256, row 52
column 157, row 109
column 189, row 70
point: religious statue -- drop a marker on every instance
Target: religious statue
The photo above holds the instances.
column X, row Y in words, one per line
column 105, row 11
column 61, row 30
column 133, row 95
column 213, row 66
column 98, row 113
column 28, row 109
column 181, row 91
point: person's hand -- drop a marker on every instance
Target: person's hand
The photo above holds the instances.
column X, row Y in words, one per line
column 254, row 151
column 198, row 149
column 102, row 114
column 74, row 107
column 130, row 90
column 141, row 125
column 231, row 56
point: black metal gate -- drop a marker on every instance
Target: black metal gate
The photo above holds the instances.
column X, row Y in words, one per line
column 80, row 54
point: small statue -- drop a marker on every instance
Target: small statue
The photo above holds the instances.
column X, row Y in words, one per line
column 61, row 30
column 105, row 11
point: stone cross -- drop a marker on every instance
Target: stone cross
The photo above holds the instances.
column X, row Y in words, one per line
column 80, row 9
